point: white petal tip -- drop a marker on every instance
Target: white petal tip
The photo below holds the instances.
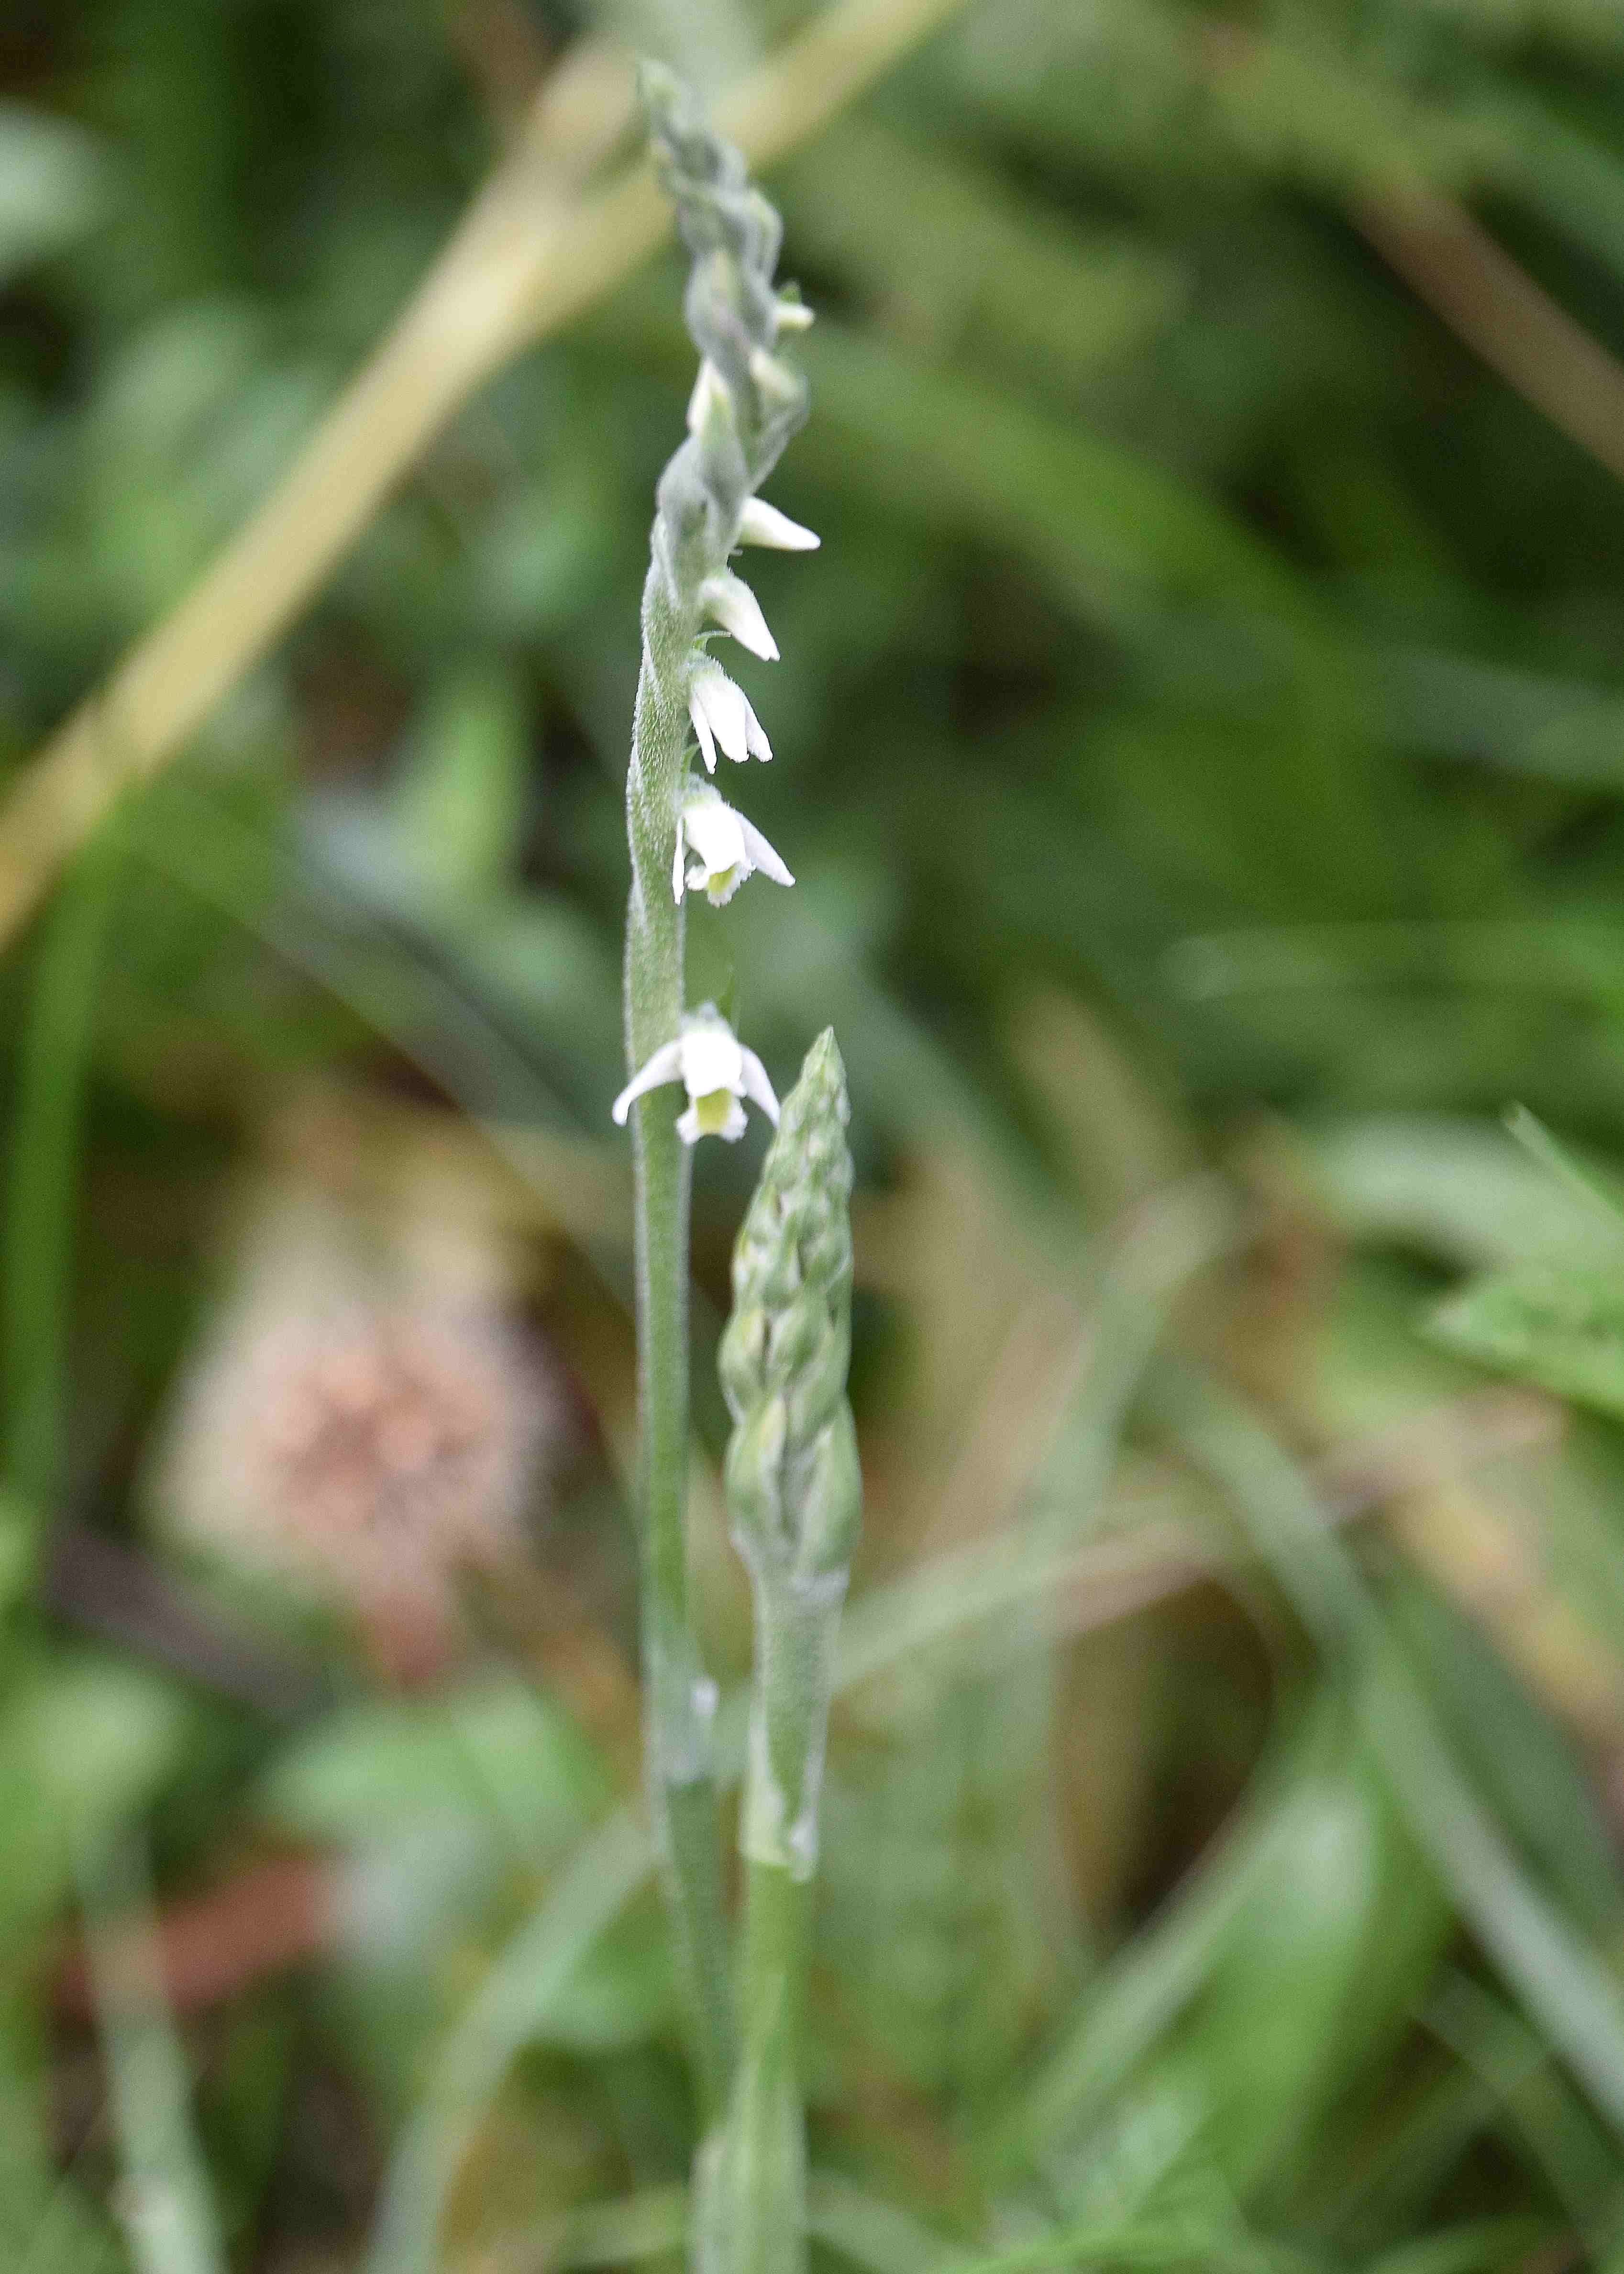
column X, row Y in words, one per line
column 663, row 1067
column 763, row 856
column 757, row 1086
column 761, row 523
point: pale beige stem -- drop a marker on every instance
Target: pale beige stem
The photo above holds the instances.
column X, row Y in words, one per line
column 1451, row 263
column 1469, row 280
column 531, row 253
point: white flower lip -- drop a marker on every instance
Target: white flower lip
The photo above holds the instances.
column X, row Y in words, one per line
column 708, row 1116
column 726, row 848
column 716, row 1070
column 730, row 600
column 761, row 523
column 721, row 713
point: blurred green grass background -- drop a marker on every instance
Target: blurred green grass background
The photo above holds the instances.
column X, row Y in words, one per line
column 1200, row 745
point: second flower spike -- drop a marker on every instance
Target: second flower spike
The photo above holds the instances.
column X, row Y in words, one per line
column 718, row 849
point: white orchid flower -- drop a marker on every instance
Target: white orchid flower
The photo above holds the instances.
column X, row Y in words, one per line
column 729, row 600
column 726, row 848
column 761, row 523
column 718, row 1072
column 721, row 713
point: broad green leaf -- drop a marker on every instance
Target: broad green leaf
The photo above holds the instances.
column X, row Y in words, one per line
column 1525, row 1767
column 621, row 1991
column 84, row 1745
column 500, row 1756
column 457, row 808
column 1560, row 1329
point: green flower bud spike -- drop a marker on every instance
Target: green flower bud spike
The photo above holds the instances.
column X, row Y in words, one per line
column 794, row 1498
column 795, row 1492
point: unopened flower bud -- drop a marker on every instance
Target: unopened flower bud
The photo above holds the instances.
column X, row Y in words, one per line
column 794, row 1488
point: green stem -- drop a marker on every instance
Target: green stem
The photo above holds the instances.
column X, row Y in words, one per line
column 43, row 2220
column 678, row 1700
column 755, row 2221
column 767, row 2145
column 752, row 2210
column 778, row 1910
column 42, row 1185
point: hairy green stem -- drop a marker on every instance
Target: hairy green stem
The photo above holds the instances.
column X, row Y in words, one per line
column 677, row 1698
column 756, row 2188
column 763, row 2156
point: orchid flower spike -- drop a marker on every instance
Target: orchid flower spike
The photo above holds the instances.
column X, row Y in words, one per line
column 726, row 848
column 716, row 1071
column 721, row 713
